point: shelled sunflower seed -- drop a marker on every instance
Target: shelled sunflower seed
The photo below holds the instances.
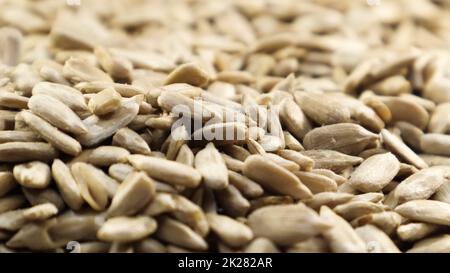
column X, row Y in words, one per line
column 225, row 126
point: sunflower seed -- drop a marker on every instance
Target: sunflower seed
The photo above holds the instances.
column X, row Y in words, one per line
column 132, row 195
column 51, row 134
column 428, row 211
column 422, row 184
column 286, row 224
column 376, row 240
column 56, row 113
column 172, row 172
column 232, row 232
column 375, row 173
column 33, row 174
column 26, row 151
column 126, row 229
column 266, row 173
column 347, row 138
column 91, row 182
column 341, row 236
column 67, row 185
column 212, row 167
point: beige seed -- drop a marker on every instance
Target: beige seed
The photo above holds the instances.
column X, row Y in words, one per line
column 7, row 182
column 105, row 102
column 392, row 65
column 232, row 232
column 177, row 233
column 40, row 212
column 438, row 144
column 56, row 113
column 329, row 199
column 191, row 214
column 333, row 160
column 12, row 220
column 67, row 185
column 316, row 183
column 387, row 221
column 373, row 197
column 146, row 59
column 286, row 224
column 11, row 44
column 440, row 120
column 100, row 129
column 261, row 245
column 273, row 42
column 176, row 102
column 66, row 94
column 287, row 164
column 254, row 147
column 443, row 192
column 51, row 134
column 12, row 100
column 188, row 73
column 246, row 186
column 131, row 141
column 375, row 173
column 34, row 174
column 91, row 182
column 222, row 133
column 410, row 134
column 347, row 138
column 12, row 202
column 120, row 171
column 42, row 196
column 125, row 90
column 212, row 167
column 117, row 66
column 406, row 110
column 136, row 191
column 235, row 77
column 291, row 142
column 355, row 209
column 237, row 152
column 416, row 231
column 435, row 160
column 376, row 240
column 422, row 184
column 26, row 151
column 233, row 164
column 77, row 70
column 108, row 155
column 150, row 246
column 360, row 112
column 392, row 86
column 304, row 162
column 126, row 229
column 330, row 174
column 162, row 203
column 293, row 119
column 312, row 245
column 398, row 147
column 428, row 211
column 170, row 171
column 270, row 200
column 173, row 143
column 232, row 201
column 341, row 237
column 18, row 136
column 321, row 108
column 439, row 244
column 273, row 177
column 186, row 156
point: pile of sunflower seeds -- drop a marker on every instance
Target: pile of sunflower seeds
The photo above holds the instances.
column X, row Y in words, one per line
column 225, row 126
